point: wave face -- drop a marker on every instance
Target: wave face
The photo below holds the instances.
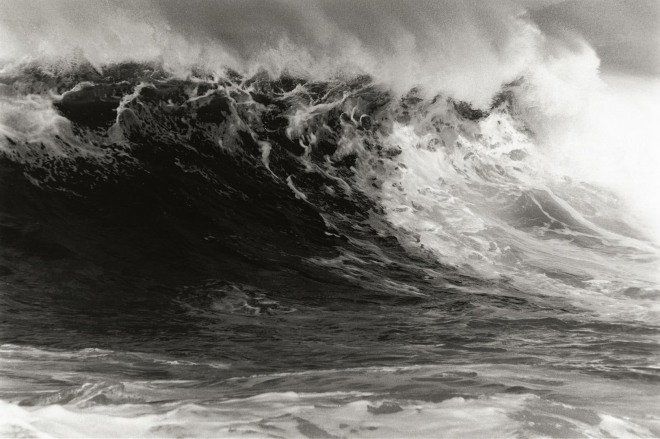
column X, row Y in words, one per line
column 279, row 253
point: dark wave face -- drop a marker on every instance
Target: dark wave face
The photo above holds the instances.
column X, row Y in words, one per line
column 319, row 258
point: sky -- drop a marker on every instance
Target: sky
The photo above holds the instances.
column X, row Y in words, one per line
column 624, row 33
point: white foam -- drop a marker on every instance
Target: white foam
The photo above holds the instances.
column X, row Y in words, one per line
column 334, row 414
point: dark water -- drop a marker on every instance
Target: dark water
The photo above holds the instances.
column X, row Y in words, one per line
column 232, row 256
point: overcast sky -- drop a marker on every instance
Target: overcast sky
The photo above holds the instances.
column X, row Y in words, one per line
column 624, row 33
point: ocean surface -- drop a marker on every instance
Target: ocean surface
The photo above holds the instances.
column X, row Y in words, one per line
column 230, row 255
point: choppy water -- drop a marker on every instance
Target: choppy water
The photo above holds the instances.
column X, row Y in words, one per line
column 256, row 257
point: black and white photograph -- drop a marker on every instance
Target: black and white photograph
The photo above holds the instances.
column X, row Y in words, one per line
column 330, row 219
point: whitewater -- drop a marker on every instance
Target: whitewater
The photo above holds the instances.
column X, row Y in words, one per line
column 323, row 220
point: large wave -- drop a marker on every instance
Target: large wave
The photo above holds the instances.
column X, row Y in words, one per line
column 463, row 50
column 274, row 168
column 323, row 219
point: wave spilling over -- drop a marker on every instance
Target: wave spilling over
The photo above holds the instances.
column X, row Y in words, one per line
column 217, row 227
column 329, row 238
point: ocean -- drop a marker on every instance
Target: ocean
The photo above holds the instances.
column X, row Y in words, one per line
column 226, row 253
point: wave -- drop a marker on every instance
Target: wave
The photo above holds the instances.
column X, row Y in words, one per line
column 132, row 168
column 334, row 216
column 361, row 401
column 594, row 126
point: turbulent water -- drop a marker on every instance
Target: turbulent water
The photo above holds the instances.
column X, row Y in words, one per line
column 263, row 256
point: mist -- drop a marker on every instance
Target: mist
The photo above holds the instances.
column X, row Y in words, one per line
column 464, row 49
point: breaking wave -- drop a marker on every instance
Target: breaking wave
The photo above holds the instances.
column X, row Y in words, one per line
column 270, row 168
column 350, row 214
